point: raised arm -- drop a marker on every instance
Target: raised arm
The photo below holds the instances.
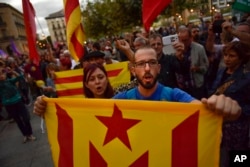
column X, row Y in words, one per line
column 244, row 37
column 123, row 45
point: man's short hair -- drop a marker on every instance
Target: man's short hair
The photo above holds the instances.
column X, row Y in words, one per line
column 143, row 48
column 183, row 28
column 155, row 35
column 141, row 40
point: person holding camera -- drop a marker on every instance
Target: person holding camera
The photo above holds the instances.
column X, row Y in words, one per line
column 216, row 26
column 194, row 65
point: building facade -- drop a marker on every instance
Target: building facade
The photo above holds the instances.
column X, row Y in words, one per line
column 221, row 3
column 57, row 27
column 12, row 29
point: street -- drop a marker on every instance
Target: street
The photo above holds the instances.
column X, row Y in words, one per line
column 13, row 153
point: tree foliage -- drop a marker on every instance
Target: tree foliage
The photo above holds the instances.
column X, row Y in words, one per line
column 108, row 17
column 178, row 6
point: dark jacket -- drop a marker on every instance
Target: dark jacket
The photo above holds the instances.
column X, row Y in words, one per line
column 169, row 67
column 235, row 133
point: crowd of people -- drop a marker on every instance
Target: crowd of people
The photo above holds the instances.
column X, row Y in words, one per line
column 208, row 66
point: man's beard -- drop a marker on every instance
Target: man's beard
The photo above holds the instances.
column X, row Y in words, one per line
column 147, row 85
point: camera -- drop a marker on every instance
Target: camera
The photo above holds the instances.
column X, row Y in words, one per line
column 217, row 26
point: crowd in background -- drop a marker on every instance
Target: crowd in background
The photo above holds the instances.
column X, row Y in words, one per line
column 214, row 60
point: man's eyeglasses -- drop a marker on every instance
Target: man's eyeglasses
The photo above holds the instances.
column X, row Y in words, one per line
column 142, row 64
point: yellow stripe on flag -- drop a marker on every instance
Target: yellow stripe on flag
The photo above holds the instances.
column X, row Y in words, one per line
column 74, row 28
column 108, row 132
column 69, row 83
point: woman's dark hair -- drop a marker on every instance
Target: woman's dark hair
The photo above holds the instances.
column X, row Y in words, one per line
column 240, row 48
column 88, row 70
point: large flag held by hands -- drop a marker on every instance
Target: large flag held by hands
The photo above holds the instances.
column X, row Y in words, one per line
column 151, row 9
column 74, row 28
column 69, row 83
column 131, row 133
column 30, row 28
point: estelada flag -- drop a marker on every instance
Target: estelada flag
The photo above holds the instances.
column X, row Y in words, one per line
column 131, row 133
column 151, row 9
column 70, row 83
column 74, row 28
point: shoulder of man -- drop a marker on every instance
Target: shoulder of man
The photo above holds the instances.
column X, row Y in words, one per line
column 129, row 94
column 166, row 93
column 197, row 45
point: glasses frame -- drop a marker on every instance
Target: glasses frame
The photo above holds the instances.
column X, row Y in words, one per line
column 142, row 64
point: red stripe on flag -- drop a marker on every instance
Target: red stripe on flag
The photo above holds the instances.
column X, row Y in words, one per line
column 72, row 79
column 79, row 78
column 65, row 138
column 185, row 141
column 78, row 47
column 70, row 92
column 69, row 7
column 95, row 158
column 113, row 73
column 141, row 161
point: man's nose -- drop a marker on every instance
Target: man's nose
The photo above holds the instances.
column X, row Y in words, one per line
column 147, row 67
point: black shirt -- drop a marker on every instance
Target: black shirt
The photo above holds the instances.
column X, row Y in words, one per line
column 169, row 67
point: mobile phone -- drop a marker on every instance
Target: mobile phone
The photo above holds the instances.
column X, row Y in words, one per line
column 217, row 26
column 168, row 43
column 170, row 39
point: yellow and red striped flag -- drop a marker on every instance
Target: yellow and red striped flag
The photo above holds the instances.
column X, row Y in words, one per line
column 69, row 83
column 74, row 28
column 131, row 133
